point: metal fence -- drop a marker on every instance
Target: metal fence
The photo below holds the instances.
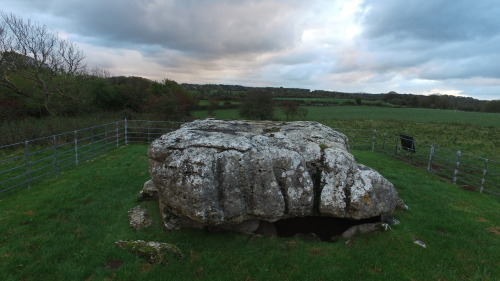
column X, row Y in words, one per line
column 22, row 164
column 469, row 171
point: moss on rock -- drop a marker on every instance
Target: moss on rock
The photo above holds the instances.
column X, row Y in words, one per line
column 153, row 252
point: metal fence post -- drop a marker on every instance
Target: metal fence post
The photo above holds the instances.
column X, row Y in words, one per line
column 485, row 171
column 105, row 136
column 431, row 158
column 116, row 129
column 457, row 164
column 374, row 138
column 27, row 154
column 92, row 140
column 149, row 133
column 126, row 131
column 76, row 148
column 396, row 148
column 56, row 169
column 383, row 143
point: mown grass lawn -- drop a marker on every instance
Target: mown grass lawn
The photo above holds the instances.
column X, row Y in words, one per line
column 64, row 229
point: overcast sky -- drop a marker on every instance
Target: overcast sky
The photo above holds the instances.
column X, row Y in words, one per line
column 377, row 46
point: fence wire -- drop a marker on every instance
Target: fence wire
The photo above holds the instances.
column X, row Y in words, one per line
column 24, row 163
column 469, row 171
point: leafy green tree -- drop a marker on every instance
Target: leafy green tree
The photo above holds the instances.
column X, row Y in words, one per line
column 106, row 95
column 291, row 109
column 390, row 96
column 258, row 105
column 170, row 101
column 492, row 106
column 132, row 91
column 75, row 100
column 213, row 104
column 436, row 101
column 413, row 101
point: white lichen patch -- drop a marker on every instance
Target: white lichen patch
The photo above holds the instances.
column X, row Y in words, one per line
column 153, row 252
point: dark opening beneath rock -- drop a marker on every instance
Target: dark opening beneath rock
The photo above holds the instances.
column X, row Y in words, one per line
column 323, row 227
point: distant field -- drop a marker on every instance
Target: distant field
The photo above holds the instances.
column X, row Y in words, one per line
column 320, row 113
column 224, row 114
column 404, row 114
column 315, row 100
column 205, row 102
column 474, row 132
column 333, row 100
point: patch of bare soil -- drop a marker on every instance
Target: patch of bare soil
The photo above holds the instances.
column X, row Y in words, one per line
column 114, row 264
column 469, row 188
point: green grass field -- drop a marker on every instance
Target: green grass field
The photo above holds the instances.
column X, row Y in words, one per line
column 473, row 132
column 206, row 102
column 335, row 101
column 319, row 100
column 404, row 114
column 64, row 228
column 321, row 113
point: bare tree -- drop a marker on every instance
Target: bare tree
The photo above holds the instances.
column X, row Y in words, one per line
column 36, row 63
column 99, row 72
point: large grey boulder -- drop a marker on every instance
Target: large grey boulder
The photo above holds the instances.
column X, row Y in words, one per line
column 237, row 173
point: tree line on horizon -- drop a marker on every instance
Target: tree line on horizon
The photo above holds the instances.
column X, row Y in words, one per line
column 434, row 101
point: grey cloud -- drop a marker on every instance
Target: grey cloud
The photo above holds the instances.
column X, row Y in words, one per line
column 411, row 45
column 443, row 39
column 436, row 20
column 202, row 28
column 464, row 68
column 481, row 88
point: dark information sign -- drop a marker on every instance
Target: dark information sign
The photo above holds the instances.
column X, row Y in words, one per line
column 407, row 143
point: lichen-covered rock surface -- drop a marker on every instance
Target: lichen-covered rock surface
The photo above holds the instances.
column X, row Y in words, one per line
column 153, row 252
column 236, row 173
column 148, row 192
column 139, row 218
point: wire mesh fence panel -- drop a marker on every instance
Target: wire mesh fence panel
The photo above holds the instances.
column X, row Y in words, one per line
column 490, row 182
column 146, row 131
column 468, row 172
column 444, row 162
column 386, row 143
column 22, row 164
column 96, row 140
column 12, row 165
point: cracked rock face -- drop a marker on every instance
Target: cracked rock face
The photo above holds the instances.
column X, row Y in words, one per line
column 236, row 173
